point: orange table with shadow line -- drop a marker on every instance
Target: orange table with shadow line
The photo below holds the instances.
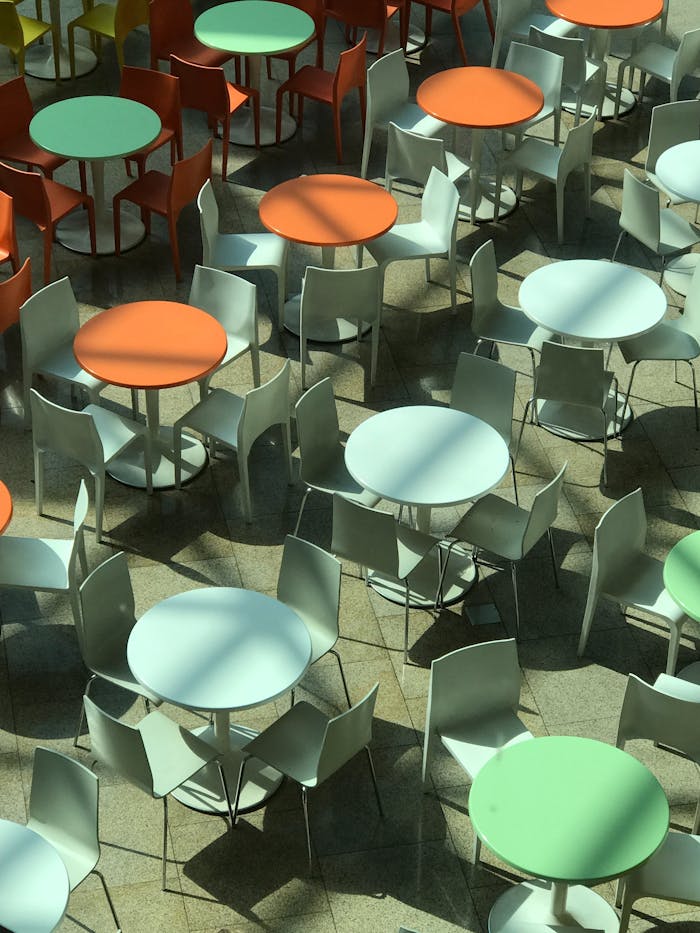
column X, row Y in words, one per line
column 153, row 345
column 5, row 507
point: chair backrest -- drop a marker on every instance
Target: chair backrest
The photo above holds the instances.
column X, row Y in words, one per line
column 201, row 87
column 188, row 176
column 370, row 14
column 327, row 294
column 486, row 389
column 571, row 49
column 508, row 15
column 128, row 15
column 578, row 148
column 11, row 34
column 387, row 86
column 48, row 320
column 67, row 432
column 63, row 805
column 650, row 713
column 541, row 66
column 229, row 299
column 208, row 220
column 119, row 746
column 27, row 191
column 484, row 275
column 108, row 610
column 570, row 374
column 346, row 735
column 309, row 583
column 8, row 234
column 263, row 407
column 366, row 536
column 411, row 156
column 440, row 207
column 473, row 683
column 13, row 293
column 318, row 431
column 543, row 511
column 671, row 124
column 170, row 21
column 16, row 108
column 157, row 90
column 691, row 308
column 640, row 215
column 687, row 57
column 619, row 535
column 351, row 71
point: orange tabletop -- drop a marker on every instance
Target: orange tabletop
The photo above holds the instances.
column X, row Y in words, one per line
column 5, row 506
column 150, row 344
column 328, row 210
column 483, row 98
column 607, row 14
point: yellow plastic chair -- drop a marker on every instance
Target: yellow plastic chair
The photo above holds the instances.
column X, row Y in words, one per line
column 18, row 32
column 109, row 21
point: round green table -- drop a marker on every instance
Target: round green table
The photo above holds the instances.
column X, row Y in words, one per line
column 682, row 574
column 255, row 28
column 570, row 810
column 96, row 128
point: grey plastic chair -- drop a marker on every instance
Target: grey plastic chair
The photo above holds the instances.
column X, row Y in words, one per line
column 48, row 564
column 234, row 304
column 662, row 62
column 671, row 124
column 321, row 453
column 495, row 525
column 473, row 701
column 546, row 70
column 107, row 618
column 515, row 18
column 624, row 573
column 309, row 747
column 63, row 809
column 579, row 72
column 410, row 156
column 237, row 422
column 156, row 756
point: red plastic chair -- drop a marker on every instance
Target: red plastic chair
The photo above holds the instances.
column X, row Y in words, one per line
column 13, row 293
column 9, row 250
column 316, row 10
column 15, row 143
column 166, row 195
column 207, row 89
column 329, row 87
column 172, row 33
column 455, row 8
column 45, row 202
column 370, row 14
column 160, row 92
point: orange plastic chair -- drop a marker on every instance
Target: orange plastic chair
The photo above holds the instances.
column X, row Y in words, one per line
column 206, row 89
column 329, row 88
column 15, row 143
column 17, row 32
column 166, row 195
column 9, row 251
column 370, row 14
column 44, row 202
column 455, row 8
column 110, row 22
column 315, row 9
column 160, row 92
column 172, row 33
column 13, row 293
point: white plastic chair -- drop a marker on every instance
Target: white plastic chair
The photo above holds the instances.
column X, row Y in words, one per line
column 48, row 563
column 434, row 235
column 234, row 304
column 107, row 618
column 573, row 376
column 580, row 72
column 472, row 710
column 328, row 294
column 387, row 102
column 321, row 453
column 661, row 230
column 546, row 70
column 516, row 18
column 235, row 252
column 309, row 583
column 492, row 321
column 667, row 64
column 671, row 124
column 495, row 525
column 237, row 422
column 309, row 747
column 486, row 389
column 64, row 810
column 157, row 756
column 624, row 573
column 411, row 156
column 378, row 541
column 93, row 437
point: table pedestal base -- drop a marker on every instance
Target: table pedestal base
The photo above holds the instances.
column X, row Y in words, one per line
column 338, row 330
column 590, row 101
column 531, row 903
column 583, row 424
column 486, row 202
column 74, row 232
column 203, row 791
column 39, row 62
column 679, row 271
column 243, row 127
column 460, row 577
column 130, row 469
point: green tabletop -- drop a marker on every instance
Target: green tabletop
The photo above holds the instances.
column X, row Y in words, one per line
column 569, row 809
column 682, row 574
column 254, row 27
column 94, row 127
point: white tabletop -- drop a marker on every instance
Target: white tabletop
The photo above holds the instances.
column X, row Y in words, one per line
column 592, row 299
column 34, row 888
column 425, row 455
column 219, row 648
column 678, row 170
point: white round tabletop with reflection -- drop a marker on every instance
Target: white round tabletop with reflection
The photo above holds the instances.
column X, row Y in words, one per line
column 34, row 888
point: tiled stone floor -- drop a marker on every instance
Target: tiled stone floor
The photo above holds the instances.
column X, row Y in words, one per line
column 413, row 868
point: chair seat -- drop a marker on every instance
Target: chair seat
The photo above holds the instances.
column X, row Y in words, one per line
column 235, row 346
column 683, row 685
column 237, row 96
column 552, row 25
column 312, row 82
column 413, row 546
column 496, row 525
column 671, row 872
column 150, row 192
column 218, row 416
column 669, row 195
column 668, row 341
column 676, row 233
column 115, row 432
column 511, row 325
column 475, row 743
column 32, row 29
column 114, row 667
column 456, row 168
column 411, row 117
column 406, row 241
column 333, row 477
column 79, row 861
column 238, row 250
column 175, row 753
column 165, row 136
column 654, row 59
column 20, row 148
column 292, row 743
column 35, row 563
column 99, row 19
column 62, row 199
column 536, row 156
column 192, row 50
column 641, row 584
column 62, row 364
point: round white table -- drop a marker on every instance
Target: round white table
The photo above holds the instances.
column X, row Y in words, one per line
column 590, row 301
column 426, row 456
column 221, row 649
column 34, row 888
column 678, row 170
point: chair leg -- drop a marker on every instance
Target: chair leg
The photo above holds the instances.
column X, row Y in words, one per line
column 405, row 622
column 476, row 854
column 515, row 481
column 554, row 557
column 627, row 397
column 529, row 402
column 301, row 511
column 99, row 505
column 177, row 453
column 237, row 797
column 165, row 840
column 695, row 393
column 514, row 580
column 342, row 675
column 605, row 445
column 374, row 781
column 586, row 624
column 617, row 245
column 675, row 629
column 109, row 899
column 227, row 797
column 305, row 808
column 81, row 718
column 174, row 246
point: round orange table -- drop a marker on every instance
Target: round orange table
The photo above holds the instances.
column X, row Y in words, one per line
column 152, row 345
column 483, row 99
column 327, row 211
column 5, row 507
column 602, row 16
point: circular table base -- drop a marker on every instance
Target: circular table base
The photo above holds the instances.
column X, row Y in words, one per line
column 590, row 102
column 460, row 577
column 583, row 424
column 530, row 903
column 679, row 271
column 203, row 792
column 74, row 233
column 486, row 203
column 332, row 331
column 243, row 127
column 39, row 62
column 129, row 467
